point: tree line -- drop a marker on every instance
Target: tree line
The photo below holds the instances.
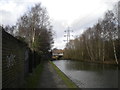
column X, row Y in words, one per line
column 100, row 43
column 35, row 29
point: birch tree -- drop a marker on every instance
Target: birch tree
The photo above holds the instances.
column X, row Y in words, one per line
column 35, row 27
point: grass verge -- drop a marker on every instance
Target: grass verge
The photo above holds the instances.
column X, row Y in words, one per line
column 33, row 80
column 67, row 81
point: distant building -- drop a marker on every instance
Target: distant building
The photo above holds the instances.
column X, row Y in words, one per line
column 57, row 53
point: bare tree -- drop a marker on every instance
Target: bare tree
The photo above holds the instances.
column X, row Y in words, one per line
column 35, row 27
column 32, row 24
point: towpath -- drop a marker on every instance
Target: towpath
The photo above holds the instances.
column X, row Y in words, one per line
column 49, row 78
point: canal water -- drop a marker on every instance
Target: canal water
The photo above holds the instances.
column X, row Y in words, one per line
column 89, row 75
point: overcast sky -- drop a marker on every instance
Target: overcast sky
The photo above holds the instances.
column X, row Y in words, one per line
column 77, row 14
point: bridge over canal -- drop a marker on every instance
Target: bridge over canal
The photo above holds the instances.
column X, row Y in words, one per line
column 57, row 53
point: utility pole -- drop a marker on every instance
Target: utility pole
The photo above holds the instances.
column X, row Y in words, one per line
column 68, row 34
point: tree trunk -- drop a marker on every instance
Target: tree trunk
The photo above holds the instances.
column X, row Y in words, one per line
column 99, row 51
column 103, row 50
column 115, row 52
column 92, row 55
column 88, row 50
column 33, row 38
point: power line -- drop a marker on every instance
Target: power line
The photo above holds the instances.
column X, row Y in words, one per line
column 68, row 34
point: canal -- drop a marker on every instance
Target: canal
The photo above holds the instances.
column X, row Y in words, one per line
column 89, row 75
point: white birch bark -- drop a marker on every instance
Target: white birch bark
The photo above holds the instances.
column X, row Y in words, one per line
column 115, row 52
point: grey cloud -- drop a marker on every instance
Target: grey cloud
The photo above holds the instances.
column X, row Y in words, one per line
column 83, row 23
column 6, row 18
column 58, row 28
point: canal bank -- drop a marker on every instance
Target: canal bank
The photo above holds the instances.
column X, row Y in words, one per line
column 49, row 78
column 52, row 77
column 47, row 75
column 67, row 81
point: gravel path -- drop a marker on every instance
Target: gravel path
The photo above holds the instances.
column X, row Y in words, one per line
column 49, row 78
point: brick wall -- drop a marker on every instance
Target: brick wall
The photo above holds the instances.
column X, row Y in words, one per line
column 14, row 65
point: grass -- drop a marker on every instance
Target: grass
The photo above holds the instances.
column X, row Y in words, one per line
column 33, row 80
column 67, row 81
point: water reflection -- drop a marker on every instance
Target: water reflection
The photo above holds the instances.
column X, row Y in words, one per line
column 77, row 65
column 90, row 75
